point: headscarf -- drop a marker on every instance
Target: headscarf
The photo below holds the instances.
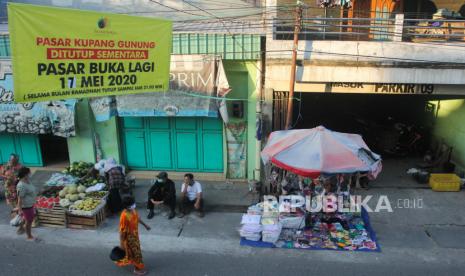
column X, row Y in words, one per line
column 110, row 164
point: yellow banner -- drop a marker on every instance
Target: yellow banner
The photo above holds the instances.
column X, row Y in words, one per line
column 65, row 53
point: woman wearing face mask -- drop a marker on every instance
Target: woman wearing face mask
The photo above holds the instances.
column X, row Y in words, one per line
column 129, row 236
column 26, row 199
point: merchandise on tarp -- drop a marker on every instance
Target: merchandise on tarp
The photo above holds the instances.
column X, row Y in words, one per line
column 344, row 231
column 55, row 117
column 197, row 87
column 312, row 152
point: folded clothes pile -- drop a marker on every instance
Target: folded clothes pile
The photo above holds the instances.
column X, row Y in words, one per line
column 251, row 228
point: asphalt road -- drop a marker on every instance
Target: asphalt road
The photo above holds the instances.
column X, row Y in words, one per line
column 29, row 258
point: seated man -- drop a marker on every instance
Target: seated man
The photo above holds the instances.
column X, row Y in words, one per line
column 191, row 195
column 162, row 192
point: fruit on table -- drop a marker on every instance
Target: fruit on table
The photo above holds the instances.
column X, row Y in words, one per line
column 64, row 202
column 46, row 202
column 73, row 198
column 78, row 169
column 87, row 204
column 97, row 195
column 81, row 189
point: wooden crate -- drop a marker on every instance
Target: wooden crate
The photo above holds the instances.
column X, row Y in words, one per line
column 80, row 222
column 55, row 217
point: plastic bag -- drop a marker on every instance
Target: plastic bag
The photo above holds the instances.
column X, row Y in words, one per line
column 16, row 221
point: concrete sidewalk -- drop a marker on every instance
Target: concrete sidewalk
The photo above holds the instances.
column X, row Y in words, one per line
column 219, row 196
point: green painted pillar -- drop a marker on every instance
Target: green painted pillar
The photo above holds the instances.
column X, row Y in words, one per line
column 81, row 147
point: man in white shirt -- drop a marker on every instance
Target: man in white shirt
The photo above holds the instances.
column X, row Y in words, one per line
column 191, row 196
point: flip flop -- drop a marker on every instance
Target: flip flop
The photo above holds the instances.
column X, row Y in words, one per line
column 140, row 272
column 34, row 240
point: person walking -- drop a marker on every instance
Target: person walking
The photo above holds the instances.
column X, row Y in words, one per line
column 129, row 236
column 163, row 192
column 26, row 199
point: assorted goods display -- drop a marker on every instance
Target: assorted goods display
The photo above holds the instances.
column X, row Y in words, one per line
column 74, row 198
column 338, row 231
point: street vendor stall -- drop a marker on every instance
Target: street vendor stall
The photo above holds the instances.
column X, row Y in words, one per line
column 74, row 198
column 315, row 208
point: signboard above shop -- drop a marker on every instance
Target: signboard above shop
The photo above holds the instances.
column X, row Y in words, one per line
column 66, row 53
column 372, row 88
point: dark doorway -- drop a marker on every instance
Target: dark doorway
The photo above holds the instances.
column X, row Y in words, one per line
column 54, row 151
column 382, row 120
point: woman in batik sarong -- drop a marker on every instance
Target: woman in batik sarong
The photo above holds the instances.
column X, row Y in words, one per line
column 9, row 174
column 129, row 236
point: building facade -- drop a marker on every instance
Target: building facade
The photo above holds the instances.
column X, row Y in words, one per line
column 370, row 61
column 176, row 143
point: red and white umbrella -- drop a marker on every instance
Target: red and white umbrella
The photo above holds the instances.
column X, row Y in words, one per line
column 311, row 152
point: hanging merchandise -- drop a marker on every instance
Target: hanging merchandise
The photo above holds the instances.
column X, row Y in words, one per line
column 334, row 3
column 236, row 141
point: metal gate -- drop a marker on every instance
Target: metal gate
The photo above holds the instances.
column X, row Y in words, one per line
column 173, row 144
column 280, row 99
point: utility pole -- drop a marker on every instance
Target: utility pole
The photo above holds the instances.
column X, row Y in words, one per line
column 297, row 27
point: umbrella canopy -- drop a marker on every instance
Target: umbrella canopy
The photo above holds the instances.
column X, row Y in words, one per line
column 310, row 152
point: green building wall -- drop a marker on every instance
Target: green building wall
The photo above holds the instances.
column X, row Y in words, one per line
column 450, row 128
column 83, row 147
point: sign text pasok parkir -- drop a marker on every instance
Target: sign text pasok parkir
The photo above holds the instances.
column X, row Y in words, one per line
column 388, row 88
column 64, row 53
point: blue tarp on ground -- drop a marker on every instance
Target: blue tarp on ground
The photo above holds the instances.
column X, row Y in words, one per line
column 366, row 221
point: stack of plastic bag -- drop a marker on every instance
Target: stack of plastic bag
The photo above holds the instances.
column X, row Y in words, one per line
column 251, row 228
column 61, row 179
column 271, row 230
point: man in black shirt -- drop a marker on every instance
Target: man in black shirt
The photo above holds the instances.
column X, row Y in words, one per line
column 162, row 192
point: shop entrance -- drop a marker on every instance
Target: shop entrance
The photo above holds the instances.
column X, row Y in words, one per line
column 173, row 144
column 54, row 151
column 391, row 125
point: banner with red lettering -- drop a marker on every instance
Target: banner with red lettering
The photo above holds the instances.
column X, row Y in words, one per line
column 66, row 53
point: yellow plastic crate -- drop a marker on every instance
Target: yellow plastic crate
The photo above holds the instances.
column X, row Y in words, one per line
column 445, row 182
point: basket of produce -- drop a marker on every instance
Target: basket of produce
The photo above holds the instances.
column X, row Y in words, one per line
column 87, row 207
